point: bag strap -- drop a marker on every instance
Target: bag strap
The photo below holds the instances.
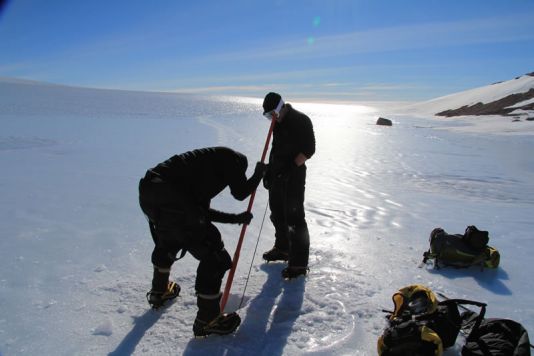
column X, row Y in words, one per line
column 460, row 303
column 426, row 256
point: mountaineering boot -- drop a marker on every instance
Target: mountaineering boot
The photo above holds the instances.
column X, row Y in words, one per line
column 291, row 272
column 276, row 254
column 157, row 299
column 162, row 290
column 223, row 324
column 210, row 320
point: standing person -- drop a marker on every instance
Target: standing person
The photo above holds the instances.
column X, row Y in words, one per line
column 175, row 196
column 293, row 144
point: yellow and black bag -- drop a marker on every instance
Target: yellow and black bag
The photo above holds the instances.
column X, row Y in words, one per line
column 420, row 324
column 469, row 249
column 409, row 338
column 407, row 332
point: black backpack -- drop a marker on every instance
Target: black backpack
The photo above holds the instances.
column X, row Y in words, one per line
column 493, row 337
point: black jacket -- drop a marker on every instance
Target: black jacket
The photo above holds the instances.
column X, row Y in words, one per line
column 292, row 136
column 203, row 173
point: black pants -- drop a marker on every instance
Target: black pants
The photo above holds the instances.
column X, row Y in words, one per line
column 286, row 200
column 177, row 224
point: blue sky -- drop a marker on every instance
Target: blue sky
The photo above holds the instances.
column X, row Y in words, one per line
column 346, row 50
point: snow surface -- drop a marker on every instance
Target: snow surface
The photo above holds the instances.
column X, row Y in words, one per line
column 75, row 248
column 522, row 103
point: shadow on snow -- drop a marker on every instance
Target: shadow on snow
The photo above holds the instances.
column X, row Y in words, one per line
column 142, row 324
column 268, row 323
column 491, row 279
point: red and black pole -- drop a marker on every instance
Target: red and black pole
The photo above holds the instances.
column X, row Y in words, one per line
column 230, row 279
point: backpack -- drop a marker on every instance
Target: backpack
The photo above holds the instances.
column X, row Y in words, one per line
column 492, row 337
column 469, row 249
column 420, row 324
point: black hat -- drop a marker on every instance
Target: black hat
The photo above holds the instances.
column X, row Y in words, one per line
column 271, row 102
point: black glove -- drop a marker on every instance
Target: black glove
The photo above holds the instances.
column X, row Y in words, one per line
column 267, row 178
column 267, row 182
column 261, row 169
column 243, row 218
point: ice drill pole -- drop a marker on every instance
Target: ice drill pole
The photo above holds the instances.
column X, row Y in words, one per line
column 230, row 279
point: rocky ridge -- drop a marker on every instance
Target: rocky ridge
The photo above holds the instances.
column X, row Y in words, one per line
column 509, row 105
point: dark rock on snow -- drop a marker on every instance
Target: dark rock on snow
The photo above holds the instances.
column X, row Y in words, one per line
column 384, row 122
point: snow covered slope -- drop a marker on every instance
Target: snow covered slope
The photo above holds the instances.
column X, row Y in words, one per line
column 517, row 92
